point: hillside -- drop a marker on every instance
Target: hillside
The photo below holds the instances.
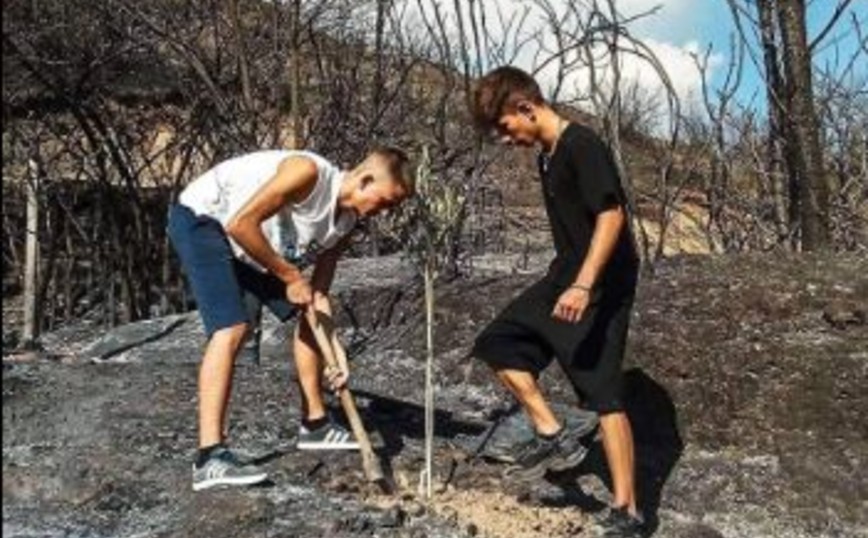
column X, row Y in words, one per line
column 746, row 375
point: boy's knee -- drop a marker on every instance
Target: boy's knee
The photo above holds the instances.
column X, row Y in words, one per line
column 611, row 405
column 520, row 379
column 233, row 335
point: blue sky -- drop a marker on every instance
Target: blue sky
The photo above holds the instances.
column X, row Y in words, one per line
column 710, row 22
column 679, row 30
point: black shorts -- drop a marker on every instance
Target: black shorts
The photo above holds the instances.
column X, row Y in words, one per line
column 525, row 336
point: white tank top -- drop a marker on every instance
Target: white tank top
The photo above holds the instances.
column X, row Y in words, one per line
column 298, row 231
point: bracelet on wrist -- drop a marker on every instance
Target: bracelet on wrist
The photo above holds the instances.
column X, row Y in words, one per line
column 581, row 287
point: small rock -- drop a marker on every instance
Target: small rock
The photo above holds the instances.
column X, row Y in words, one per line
column 340, row 486
column 450, row 515
column 840, row 314
column 414, row 509
column 472, row 529
column 698, row 530
column 355, row 524
column 11, row 339
column 393, row 517
column 402, row 480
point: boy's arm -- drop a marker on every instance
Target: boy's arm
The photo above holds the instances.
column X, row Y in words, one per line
column 293, row 181
column 601, row 197
column 321, row 281
column 607, row 230
column 326, row 263
column 574, row 300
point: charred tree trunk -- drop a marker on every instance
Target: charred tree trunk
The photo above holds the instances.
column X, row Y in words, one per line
column 804, row 133
column 783, row 186
column 377, row 95
column 292, row 138
column 241, row 52
column 382, row 8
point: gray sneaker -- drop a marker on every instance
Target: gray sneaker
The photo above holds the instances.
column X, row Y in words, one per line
column 330, row 436
column 619, row 523
column 539, row 455
column 513, row 431
column 223, row 468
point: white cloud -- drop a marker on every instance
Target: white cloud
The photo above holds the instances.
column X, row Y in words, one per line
column 678, row 67
column 673, row 19
column 668, row 7
column 678, row 63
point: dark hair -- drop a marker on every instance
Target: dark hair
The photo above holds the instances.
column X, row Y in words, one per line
column 500, row 90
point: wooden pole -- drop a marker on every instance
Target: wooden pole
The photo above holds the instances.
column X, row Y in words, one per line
column 429, row 374
column 31, row 330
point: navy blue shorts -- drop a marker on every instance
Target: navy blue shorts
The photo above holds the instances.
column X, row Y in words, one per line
column 217, row 278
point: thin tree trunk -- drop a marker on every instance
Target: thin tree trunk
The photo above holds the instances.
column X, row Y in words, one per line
column 94, row 252
column 292, row 138
column 777, row 145
column 69, row 272
column 462, row 43
column 109, row 317
column 813, row 185
column 377, row 99
column 241, row 53
column 165, row 278
column 382, row 6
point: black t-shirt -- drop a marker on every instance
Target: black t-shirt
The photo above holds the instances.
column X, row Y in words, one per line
column 580, row 180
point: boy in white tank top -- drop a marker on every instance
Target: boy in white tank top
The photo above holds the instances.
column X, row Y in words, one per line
column 251, row 225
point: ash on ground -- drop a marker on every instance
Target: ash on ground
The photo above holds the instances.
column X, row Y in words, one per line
column 746, row 379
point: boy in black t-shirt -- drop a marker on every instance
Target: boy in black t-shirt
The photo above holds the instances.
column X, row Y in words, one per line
column 579, row 312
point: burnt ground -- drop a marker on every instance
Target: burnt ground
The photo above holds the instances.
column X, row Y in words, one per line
column 746, row 377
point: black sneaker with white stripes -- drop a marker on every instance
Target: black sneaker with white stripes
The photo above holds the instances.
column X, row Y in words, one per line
column 329, row 436
column 223, row 468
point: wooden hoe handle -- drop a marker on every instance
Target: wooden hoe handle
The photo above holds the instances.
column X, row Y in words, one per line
column 326, row 338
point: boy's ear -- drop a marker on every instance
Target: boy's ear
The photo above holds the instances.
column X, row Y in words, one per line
column 367, row 179
column 526, row 108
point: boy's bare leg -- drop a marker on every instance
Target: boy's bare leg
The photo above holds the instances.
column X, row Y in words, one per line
column 224, row 423
column 308, row 364
column 215, row 382
column 525, row 388
column 618, row 445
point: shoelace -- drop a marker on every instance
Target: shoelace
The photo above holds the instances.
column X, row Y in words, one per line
column 528, row 448
column 228, row 457
column 620, row 519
